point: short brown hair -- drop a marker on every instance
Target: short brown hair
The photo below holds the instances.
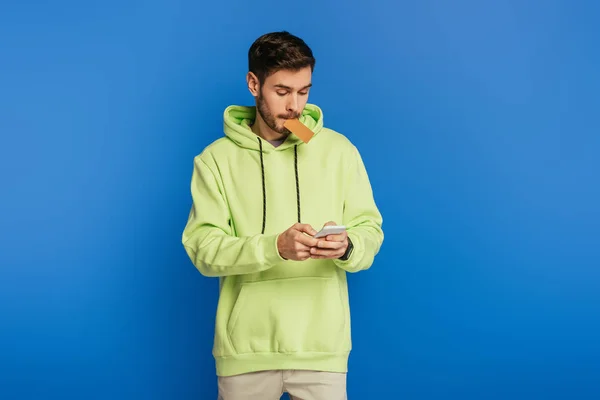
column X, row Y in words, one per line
column 276, row 51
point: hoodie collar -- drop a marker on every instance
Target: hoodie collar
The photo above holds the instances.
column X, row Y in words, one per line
column 237, row 120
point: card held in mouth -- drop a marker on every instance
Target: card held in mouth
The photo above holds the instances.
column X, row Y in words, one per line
column 299, row 129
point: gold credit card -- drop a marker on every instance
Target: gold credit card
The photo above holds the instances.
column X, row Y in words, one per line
column 299, row 129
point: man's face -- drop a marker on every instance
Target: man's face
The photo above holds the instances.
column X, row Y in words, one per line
column 283, row 96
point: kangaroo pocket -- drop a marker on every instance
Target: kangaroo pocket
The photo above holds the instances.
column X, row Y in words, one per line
column 288, row 315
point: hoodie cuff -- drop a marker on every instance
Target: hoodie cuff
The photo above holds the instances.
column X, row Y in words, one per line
column 271, row 251
column 352, row 264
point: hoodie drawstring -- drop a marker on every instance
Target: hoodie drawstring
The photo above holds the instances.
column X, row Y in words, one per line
column 262, row 167
column 264, row 188
column 297, row 181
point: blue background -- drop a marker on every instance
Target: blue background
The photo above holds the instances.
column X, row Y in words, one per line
column 478, row 123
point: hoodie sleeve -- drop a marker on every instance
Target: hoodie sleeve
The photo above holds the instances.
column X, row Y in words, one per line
column 208, row 238
column 361, row 217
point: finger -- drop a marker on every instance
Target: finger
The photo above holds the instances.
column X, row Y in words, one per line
column 330, row 223
column 307, row 240
column 303, row 255
column 325, row 253
column 301, row 247
column 305, row 228
column 337, row 238
column 328, row 257
column 325, row 244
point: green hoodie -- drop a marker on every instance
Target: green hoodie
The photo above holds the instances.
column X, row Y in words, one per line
column 274, row 313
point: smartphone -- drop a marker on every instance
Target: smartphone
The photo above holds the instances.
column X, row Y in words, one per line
column 330, row 230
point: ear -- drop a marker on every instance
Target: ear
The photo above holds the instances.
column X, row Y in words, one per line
column 253, row 83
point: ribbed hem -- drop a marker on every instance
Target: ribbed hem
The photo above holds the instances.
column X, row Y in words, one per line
column 274, row 256
column 353, row 263
column 241, row 364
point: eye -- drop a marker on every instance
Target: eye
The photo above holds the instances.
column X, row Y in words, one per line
column 302, row 93
column 281, row 93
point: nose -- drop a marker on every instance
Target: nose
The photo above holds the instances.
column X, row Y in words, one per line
column 292, row 104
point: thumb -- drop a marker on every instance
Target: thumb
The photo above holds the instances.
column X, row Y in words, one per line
column 306, row 228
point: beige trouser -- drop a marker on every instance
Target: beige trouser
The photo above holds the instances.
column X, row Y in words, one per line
column 270, row 385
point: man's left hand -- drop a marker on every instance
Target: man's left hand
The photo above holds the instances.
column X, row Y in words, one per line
column 331, row 246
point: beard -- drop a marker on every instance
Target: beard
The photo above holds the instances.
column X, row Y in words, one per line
column 270, row 119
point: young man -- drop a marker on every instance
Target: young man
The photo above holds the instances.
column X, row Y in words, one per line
column 259, row 194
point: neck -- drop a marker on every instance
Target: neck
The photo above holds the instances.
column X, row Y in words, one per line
column 260, row 128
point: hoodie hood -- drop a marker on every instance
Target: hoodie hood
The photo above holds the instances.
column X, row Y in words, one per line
column 237, row 121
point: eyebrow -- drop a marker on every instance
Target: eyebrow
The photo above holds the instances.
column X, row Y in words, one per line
column 289, row 88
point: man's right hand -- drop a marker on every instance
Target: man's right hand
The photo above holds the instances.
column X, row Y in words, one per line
column 295, row 243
